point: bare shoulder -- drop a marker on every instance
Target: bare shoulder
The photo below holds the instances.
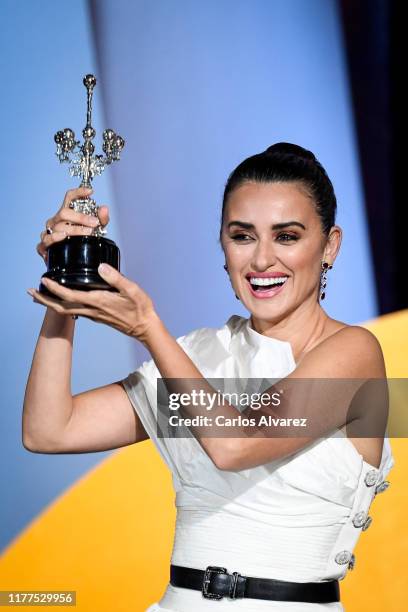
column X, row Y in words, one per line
column 346, row 350
column 357, row 336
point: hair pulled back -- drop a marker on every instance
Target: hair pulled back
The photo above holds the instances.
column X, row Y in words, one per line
column 286, row 162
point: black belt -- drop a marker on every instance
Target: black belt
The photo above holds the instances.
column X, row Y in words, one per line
column 215, row 582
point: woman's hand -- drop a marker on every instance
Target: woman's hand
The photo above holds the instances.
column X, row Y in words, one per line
column 130, row 310
column 68, row 222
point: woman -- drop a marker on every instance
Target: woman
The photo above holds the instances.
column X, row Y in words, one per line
column 262, row 524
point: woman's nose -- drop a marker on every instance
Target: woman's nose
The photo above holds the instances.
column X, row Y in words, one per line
column 264, row 255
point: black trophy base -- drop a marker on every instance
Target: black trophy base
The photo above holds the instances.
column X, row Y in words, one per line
column 74, row 262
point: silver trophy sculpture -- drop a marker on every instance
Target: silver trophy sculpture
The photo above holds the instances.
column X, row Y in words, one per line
column 74, row 262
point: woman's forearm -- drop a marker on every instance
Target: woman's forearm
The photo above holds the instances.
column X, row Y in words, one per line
column 48, row 399
column 298, row 409
column 173, row 363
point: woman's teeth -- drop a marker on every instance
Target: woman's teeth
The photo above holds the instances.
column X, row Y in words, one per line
column 267, row 282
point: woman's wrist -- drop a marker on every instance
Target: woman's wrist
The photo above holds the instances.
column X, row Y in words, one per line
column 153, row 333
column 56, row 324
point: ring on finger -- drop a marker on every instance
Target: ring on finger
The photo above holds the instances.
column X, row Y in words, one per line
column 74, row 317
column 49, row 230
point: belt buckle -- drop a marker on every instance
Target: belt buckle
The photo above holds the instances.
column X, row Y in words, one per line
column 211, row 569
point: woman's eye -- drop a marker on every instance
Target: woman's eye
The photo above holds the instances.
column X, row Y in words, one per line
column 287, row 237
column 241, row 237
column 284, row 237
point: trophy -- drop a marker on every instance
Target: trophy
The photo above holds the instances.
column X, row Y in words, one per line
column 73, row 262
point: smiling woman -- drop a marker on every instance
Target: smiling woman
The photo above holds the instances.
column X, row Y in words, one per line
column 296, row 241
column 261, row 519
column 279, row 207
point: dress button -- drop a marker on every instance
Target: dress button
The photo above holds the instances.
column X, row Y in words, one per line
column 383, row 486
column 367, row 523
column 359, row 519
column 352, row 562
column 343, row 557
column 371, row 478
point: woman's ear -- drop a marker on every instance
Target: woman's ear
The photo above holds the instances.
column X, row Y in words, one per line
column 333, row 243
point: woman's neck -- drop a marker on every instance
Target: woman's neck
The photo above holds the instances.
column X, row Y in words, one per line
column 303, row 329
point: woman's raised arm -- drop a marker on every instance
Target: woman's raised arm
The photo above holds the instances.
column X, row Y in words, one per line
column 54, row 421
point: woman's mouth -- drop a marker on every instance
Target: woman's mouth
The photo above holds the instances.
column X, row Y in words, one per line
column 262, row 288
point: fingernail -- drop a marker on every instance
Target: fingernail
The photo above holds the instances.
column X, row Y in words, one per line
column 104, row 268
column 31, row 292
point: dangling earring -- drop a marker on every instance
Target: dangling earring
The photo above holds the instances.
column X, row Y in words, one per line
column 323, row 278
column 226, row 269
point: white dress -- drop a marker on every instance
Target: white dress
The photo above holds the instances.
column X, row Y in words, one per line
column 290, row 519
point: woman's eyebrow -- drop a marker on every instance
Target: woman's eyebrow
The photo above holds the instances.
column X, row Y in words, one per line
column 274, row 227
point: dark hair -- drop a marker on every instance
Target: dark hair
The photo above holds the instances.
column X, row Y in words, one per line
column 286, row 162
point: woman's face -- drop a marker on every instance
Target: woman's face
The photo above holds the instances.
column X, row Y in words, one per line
column 272, row 232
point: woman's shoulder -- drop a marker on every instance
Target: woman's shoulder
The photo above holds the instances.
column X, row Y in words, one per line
column 355, row 346
column 354, row 333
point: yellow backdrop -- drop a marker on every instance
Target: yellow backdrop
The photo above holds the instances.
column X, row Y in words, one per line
column 109, row 536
